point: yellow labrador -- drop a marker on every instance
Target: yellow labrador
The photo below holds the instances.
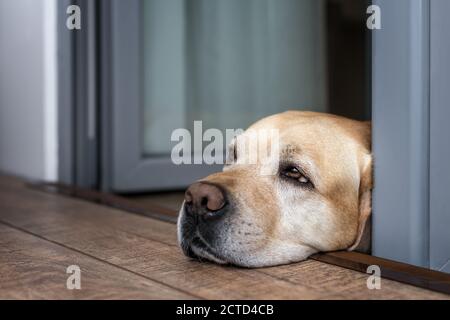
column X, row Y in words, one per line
column 319, row 198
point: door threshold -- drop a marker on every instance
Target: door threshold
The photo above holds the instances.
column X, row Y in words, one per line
column 107, row 199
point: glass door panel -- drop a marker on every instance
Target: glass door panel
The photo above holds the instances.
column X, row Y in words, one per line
column 228, row 63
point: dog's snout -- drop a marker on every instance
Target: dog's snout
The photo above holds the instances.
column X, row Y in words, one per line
column 206, row 199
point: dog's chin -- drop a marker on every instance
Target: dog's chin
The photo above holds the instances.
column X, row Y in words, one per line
column 202, row 252
column 199, row 249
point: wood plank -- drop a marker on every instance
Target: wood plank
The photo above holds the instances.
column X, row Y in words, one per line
column 402, row 272
column 167, row 200
column 148, row 209
column 32, row 268
column 101, row 232
column 346, row 283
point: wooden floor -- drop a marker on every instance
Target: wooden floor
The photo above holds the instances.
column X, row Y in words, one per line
column 126, row 256
column 170, row 200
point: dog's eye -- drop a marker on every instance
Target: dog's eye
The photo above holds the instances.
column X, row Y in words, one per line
column 295, row 174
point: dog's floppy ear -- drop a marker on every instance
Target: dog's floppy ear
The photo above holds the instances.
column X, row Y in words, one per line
column 363, row 238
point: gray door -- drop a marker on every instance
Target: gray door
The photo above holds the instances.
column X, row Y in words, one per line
column 225, row 63
column 411, row 145
column 439, row 135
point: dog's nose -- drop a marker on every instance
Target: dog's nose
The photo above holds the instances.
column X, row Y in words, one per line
column 206, row 199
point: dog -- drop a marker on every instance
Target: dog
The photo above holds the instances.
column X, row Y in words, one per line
column 317, row 200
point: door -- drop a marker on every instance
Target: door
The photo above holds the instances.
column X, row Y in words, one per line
column 410, row 80
column 439, row 136
column 224, row 63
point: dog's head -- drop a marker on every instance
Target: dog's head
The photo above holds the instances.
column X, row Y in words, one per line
column 317, row 199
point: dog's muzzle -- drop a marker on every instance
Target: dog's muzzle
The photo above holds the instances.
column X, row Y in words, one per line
column 203, row 214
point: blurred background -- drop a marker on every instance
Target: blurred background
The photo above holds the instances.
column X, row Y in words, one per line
column 95, row 107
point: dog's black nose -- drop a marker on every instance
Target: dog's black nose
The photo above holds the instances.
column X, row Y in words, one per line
column 205, row 199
